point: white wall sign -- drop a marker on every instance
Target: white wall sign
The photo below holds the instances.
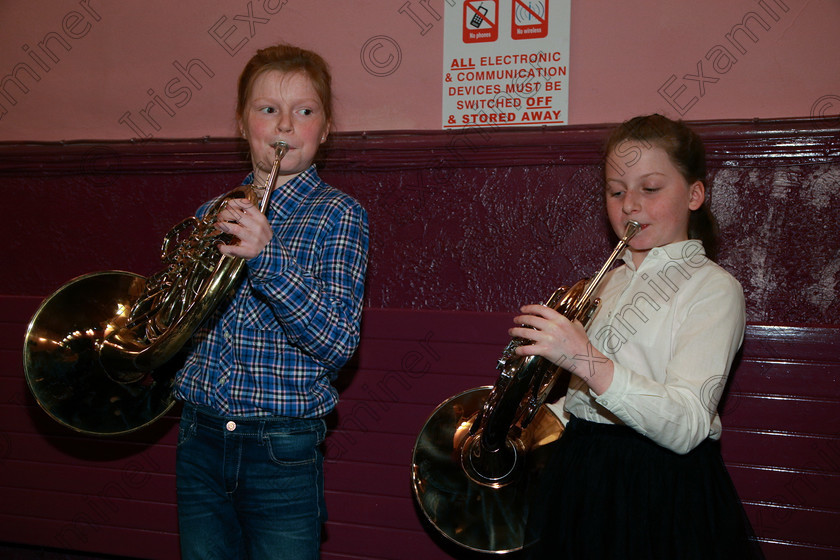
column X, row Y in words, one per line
column 505, row 63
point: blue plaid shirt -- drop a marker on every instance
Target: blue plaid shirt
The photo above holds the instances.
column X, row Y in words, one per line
column 274, row 347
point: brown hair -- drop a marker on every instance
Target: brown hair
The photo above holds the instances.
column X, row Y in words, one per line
column 686, row 152
column 287, row 59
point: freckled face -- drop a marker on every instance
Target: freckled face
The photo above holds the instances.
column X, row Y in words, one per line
column 652, row 191
column 283, row 106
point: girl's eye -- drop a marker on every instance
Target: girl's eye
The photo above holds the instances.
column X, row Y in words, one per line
column 306, row 112
column 267, row 110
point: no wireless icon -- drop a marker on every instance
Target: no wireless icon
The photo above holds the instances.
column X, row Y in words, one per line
column 529, row 19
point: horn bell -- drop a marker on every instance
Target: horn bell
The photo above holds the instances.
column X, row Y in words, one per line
column 475, row 502
column 62, row 359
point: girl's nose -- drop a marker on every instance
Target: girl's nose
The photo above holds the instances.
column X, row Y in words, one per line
column 284, row 121
column 630, row 203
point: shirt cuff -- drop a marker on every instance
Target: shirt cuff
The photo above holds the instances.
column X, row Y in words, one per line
column 270, row 264
column 613, row 397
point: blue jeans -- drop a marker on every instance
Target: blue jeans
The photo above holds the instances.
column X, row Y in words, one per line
column 249, row 487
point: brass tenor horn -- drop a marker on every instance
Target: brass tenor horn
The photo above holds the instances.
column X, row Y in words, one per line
column 98, row 353
column 475, row 461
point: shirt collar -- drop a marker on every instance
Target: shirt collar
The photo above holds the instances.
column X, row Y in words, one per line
column 292, row 192
column 690, row 250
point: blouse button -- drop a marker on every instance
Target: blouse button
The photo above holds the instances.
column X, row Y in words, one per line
column 230, row 426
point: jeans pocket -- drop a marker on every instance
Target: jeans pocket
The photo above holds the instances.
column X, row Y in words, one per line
column 186, row 429
column 294, row 448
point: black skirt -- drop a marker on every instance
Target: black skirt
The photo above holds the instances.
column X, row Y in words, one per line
column 609, row 492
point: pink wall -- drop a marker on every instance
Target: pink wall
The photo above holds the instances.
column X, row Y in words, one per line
column 113, row 58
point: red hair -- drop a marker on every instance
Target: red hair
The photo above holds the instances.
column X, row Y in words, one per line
column 286, row 59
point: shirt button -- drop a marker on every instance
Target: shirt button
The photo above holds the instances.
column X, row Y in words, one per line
column 230, row 426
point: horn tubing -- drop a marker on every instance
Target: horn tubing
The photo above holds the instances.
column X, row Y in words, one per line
column 630, row 231
column 477, row 457
column 100, row 354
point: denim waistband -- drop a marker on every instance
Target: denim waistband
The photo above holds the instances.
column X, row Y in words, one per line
column 247, row 425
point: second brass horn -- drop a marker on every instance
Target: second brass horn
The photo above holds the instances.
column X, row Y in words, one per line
column 99, row 353
column 476, row 461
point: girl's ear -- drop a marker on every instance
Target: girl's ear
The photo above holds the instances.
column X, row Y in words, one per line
column 241, row 126
column 696, row 195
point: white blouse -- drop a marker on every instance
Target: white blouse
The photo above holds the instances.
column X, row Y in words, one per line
column 672, row 329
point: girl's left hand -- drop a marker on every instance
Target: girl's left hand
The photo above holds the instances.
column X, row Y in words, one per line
column 564, row 343
column 554, row 336
column 243, row 220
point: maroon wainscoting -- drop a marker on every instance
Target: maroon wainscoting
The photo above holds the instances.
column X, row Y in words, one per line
column 473, row 220
column 464, row 228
